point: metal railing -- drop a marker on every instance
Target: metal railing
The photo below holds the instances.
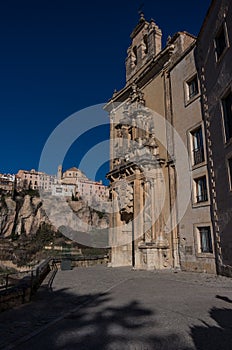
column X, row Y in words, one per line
column 198, row 155
column 202, row 197
column 11, row 279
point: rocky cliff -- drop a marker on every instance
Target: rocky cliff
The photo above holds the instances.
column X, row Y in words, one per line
column 22, row 215
column 30, row 225
column 25, row 214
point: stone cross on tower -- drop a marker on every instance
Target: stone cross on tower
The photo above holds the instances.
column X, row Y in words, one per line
column 140, row 11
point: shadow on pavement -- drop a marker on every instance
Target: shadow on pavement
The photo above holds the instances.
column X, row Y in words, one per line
column 98, row 325
column 218, row 337
column 91, row 322
column 61, row 320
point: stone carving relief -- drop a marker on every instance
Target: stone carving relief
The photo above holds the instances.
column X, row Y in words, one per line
column 124, row 191
column 125, row 195
column 135, row 139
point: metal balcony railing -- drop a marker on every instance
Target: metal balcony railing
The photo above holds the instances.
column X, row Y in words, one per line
column 202, row 197
column 198, row 155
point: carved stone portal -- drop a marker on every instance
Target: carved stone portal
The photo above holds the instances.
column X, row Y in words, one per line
column 137, row 180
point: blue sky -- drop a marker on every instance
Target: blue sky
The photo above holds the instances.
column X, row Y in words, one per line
column 58, row 57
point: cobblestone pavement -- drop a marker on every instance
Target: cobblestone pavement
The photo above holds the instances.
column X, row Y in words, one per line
column 100, row 308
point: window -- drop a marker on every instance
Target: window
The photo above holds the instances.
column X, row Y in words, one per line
column 192, row 87
column 201, row 189
column 220, row 42
column 145, row 44
column 197, row 146
column 230, row 172
column 135, row 55
column 227, row 115
column 205, row 239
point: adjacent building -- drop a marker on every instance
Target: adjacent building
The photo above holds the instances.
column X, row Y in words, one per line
column 63, row 190
column 35, row 180
column 71, row 183
column 195, row 231
column 76, row 183
column 214, row 57
column 7, row 182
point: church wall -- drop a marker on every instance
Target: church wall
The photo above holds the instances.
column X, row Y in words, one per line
column 154, row 96
column 187, row 118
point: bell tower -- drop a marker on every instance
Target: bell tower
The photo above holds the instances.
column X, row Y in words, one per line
column 146, row 44
column 59, row 174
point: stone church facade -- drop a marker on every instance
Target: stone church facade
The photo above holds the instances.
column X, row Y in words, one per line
column 159, row 169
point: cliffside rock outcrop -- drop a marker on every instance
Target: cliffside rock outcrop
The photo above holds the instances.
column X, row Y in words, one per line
column 26, row 214
column 8, row 214
column 30, row 216
column 22, row 215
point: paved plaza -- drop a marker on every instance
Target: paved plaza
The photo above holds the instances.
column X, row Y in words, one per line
column 100, row 308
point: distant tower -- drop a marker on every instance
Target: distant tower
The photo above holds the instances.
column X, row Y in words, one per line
column 146, row 44
column 59, row 174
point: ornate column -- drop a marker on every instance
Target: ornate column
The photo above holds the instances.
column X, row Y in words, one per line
column 115, row 219
column 138, row 222
column 147, row 211
column 153, row 233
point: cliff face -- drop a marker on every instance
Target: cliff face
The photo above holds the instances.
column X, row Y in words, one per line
column 26, row 214
column 21, row 215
